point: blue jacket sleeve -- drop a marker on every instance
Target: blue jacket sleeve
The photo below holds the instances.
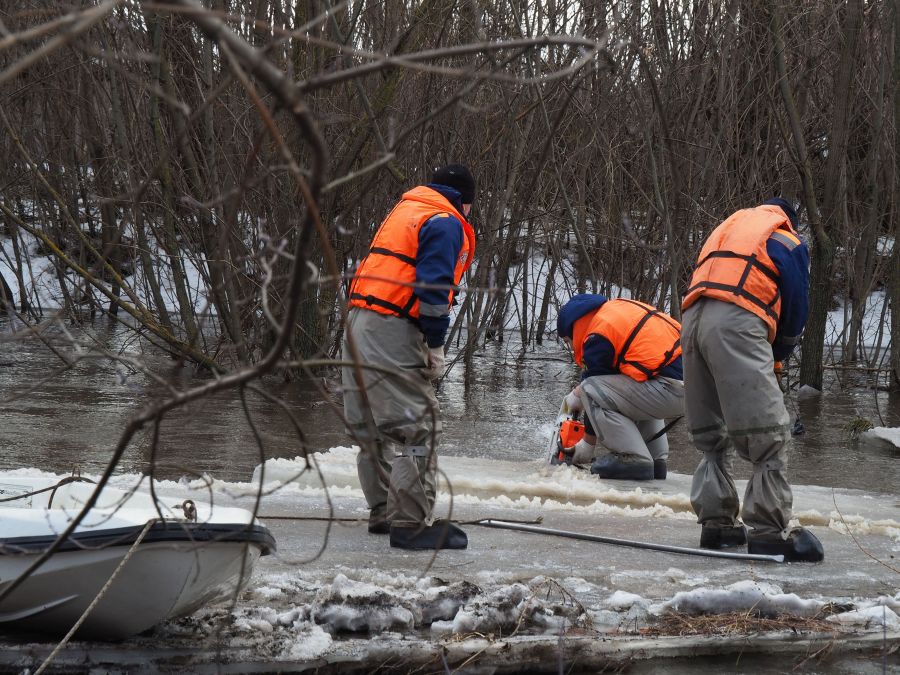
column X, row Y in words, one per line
column 793, row 272
column 440, row 241
column 598, row 357
column 674, row 370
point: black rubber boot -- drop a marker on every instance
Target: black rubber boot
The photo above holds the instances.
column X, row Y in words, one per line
column 622, row 467
column 800, row 546
column 660, row 469
column 378, row 524
column 440, row 535
column 722, row 537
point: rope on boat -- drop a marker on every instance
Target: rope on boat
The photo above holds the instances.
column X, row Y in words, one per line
column 363, row 521
column 64, row 481
column 97, row 598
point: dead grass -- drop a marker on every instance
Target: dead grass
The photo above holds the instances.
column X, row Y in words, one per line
column 737, row 623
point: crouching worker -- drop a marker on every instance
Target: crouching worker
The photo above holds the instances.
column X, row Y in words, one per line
column 631, row 382
column 399, row 314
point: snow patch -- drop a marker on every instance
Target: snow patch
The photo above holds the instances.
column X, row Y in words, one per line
column 620, row 601
column 310, row 642
column 502, row 608
column 247, row 624
column 888, row 434
column 355, row 606
column 880, row 617
column 757, row 596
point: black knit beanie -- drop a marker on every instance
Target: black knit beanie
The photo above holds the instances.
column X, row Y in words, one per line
column 459, row 178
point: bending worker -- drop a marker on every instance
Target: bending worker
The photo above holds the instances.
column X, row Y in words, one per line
column 631, row 382
column 400, row 300
column 743, row 313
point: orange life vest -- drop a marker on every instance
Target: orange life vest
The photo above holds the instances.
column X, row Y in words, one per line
column 384, row 279
column 645, row 339
column 734, row 266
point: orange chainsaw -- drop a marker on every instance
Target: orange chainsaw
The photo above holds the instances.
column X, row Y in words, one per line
column 569, row 430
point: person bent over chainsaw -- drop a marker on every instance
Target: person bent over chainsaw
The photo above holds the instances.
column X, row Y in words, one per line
column 400, row 300
column 631, row 382
column 743, row 313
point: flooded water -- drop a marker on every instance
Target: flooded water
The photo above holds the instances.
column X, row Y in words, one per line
column 58, row 419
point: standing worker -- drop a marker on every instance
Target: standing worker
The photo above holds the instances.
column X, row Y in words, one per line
column 400, row 300
column 631, row 382
column 743, row 314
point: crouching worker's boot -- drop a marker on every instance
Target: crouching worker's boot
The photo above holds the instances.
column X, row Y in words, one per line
column 623, row 467
column 722, row 537
column 801, row 545
column 440, row 534
column 660, row 469
column 378, row 523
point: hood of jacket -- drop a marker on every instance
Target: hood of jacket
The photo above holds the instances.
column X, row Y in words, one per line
column 576, row 308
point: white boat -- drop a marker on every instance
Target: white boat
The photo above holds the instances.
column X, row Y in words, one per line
column 190, row 554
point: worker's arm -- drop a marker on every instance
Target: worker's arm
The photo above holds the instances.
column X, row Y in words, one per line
column 792, row 262
column 599, row 357
column 440, row 241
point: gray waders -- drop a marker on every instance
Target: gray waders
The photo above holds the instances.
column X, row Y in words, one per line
column 733, row 403
column 399, row 431
column 625, row 412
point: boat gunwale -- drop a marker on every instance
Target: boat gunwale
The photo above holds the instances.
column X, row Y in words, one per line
column 160, row 532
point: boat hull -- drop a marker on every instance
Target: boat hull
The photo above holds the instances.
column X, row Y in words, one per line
column 176, row 556
column 159, row 581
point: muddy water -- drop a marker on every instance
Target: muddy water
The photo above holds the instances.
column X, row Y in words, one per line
column 57, row 418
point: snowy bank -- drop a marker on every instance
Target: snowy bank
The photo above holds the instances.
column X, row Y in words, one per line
column 337, row 599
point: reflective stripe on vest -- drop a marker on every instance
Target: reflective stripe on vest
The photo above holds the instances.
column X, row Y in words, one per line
column 385, row 278
column 645, row 339
column 735, row 267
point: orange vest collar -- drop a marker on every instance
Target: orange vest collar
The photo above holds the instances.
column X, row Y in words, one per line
column 433, row 198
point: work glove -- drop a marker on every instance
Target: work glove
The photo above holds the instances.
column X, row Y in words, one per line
column 779, row 371
column 582, row 452
column 436, row 363
column 573, row 400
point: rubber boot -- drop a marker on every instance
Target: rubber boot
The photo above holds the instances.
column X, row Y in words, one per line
column 622, row 467
column 441, row 534
column 722, row 537
column 378, row 523
column 660, row 469
column 801, row 545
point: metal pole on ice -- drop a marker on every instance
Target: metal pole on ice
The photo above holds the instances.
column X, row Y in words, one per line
column 708, row 553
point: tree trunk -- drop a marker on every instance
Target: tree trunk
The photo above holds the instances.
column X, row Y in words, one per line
column 834, row 196
column 893, row 295
column 864, row 266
